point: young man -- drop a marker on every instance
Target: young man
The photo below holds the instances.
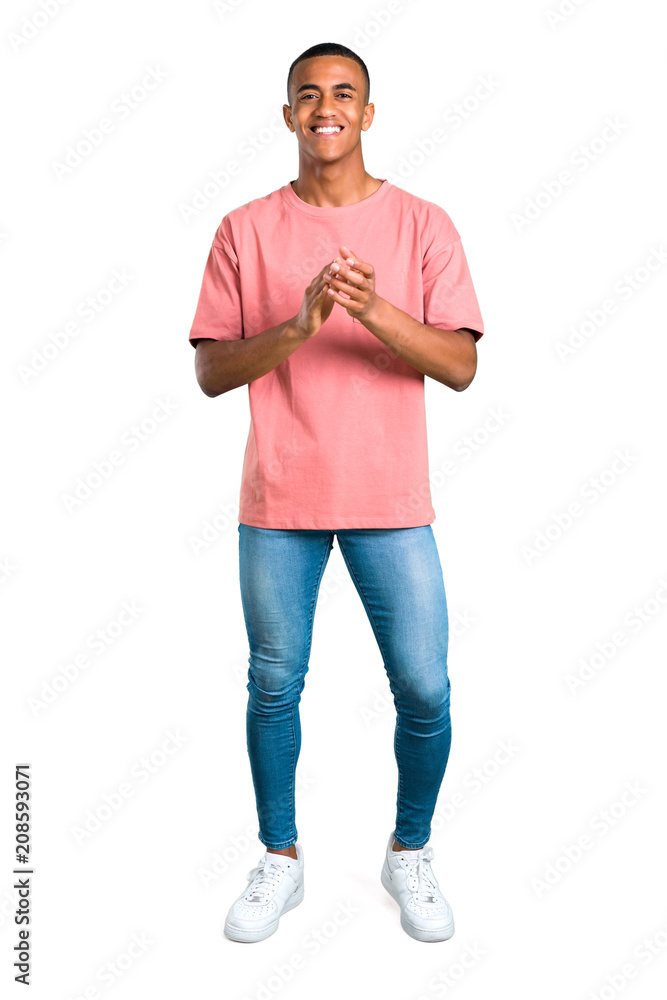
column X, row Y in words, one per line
column 337, row 447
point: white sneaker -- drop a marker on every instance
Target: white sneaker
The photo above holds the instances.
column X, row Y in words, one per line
column 425, row 913
column 276, row 885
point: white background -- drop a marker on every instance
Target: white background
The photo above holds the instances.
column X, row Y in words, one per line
column 526, row 916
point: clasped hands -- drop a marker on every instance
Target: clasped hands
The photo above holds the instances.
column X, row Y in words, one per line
column 352, row 284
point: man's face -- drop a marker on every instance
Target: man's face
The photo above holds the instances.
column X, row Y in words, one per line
column 328, row 91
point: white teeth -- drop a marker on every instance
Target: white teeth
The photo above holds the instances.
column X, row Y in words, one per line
column 327, row 128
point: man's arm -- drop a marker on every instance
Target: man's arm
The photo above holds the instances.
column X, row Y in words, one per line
column 221, row 365
column 448, row 356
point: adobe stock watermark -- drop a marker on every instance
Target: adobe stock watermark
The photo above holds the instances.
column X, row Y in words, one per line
column 8, row 907
column 295, row 275
column 88, row 310
column 94, row 136
column 7, row 569
column 311, row 945
column 444, row 981
column 599, row 825
column 286, row 454
column 334, row 580
column 562, row 12
column 141, row 772
column 385, row 357
column 240, row 670
column 475, row 781
column 439, row 308
column 643, row 954
column 214, row 527
column 591, row 491
column 463, row 450
column 460, row 623
column 237, row 847
column 218, row 180
column 472, row 442
column 624, row 289
column 373, row 368
column 579, row 160
column 97, row 642
column 223, row 7
column 109, row 973
column 131, row 440
column 33, row 24
column 452, row 119
column 381, row 18
column 634, row 621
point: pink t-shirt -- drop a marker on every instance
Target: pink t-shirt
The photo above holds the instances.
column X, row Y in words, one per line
column 337, row 433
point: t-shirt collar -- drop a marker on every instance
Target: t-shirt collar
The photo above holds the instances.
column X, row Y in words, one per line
column 329, row 211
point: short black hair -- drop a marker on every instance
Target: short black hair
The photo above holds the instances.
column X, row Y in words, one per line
column 330, row 49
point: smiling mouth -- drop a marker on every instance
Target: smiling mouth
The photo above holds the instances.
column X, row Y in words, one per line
column 330, row 131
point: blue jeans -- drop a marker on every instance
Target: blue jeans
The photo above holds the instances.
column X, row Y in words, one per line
column 398, row 576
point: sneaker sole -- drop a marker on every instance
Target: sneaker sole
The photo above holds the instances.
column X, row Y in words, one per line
column 247, row 934
column 419, row 933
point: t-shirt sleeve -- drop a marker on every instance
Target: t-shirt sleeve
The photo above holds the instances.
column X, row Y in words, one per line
column 450, row 302
column 219, row 314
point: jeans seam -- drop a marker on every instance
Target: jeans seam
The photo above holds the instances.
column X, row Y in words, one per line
column 293, row 768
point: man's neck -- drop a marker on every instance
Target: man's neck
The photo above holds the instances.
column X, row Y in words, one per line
column 334, row 192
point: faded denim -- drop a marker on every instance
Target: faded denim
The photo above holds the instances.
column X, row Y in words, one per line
column 398, row 576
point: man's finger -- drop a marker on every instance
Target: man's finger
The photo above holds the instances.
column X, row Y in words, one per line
column 360, row 265
column 351, row 274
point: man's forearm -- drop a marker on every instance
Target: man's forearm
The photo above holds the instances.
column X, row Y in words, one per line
column 448, row 356
column 222, row 365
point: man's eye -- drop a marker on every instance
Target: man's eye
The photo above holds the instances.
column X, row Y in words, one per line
column 337, row 95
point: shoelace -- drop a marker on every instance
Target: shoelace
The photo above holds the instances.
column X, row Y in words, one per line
column 420, row 869
column 263, row 880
